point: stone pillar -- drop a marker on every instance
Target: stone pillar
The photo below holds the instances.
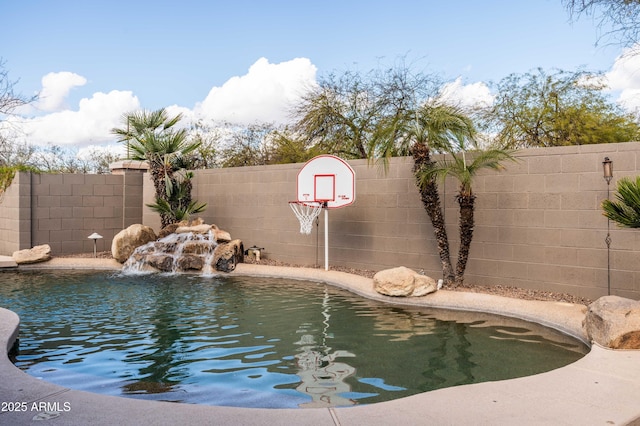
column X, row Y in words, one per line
column 132, row 172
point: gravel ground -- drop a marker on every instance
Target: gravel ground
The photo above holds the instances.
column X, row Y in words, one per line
column 499, row 290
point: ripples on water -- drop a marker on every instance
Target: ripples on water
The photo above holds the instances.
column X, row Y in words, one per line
column 258, row 342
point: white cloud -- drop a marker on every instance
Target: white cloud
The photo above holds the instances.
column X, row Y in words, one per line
column 624, row 78
column 264, row 94
column 467, row 95
column 55, row 88
column 188, row 115
column 91, row 151
column 90, row 124
column 630, row 100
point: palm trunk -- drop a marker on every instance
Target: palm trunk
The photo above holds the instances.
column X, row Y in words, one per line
column 431, row 201
column 158, row 177
column 466, row 233
column 185, row 200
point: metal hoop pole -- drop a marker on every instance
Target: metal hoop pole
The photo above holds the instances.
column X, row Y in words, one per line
column 326, row 239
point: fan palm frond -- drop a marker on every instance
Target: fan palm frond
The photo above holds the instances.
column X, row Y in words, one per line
column 625, row 211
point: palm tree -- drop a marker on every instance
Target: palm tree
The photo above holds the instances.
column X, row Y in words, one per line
column 433, row 127
column 626, row 210
column 465, row 169
column 151, row 137
column 377, row 119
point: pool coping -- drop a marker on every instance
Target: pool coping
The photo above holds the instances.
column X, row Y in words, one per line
column 601, row 388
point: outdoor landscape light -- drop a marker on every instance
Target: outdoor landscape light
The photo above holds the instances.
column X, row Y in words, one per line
column 607, row 168
column 255, row 252
column 95, row 237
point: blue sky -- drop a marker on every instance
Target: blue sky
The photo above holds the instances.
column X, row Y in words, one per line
column 210, row 56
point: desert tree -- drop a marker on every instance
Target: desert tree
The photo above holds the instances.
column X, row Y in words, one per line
column 247, row 145
column 12, row 152
column 541, row 109
column 10, row 100
column 353, row 115
column 618, row 20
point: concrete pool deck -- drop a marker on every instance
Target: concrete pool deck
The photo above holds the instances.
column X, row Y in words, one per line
column 601, row 388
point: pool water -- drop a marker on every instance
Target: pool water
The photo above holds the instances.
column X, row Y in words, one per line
column 258, row 342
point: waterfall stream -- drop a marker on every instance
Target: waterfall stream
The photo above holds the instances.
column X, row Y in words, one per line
column 175, row 253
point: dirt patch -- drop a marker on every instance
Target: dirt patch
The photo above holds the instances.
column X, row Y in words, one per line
column 99, row 255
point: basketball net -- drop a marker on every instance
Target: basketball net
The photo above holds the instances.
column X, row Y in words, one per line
column 306, row 212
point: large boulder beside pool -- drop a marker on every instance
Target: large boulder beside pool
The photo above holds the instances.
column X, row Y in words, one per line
column 127, row 240
column 227, row 255
column 36, row 254
column 614, row 322
column 402, row 281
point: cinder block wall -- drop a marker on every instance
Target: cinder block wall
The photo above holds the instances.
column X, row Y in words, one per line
column 62, row 210
column 67, row 208
column 539, row 224
column 385, row 226
column 15, row 215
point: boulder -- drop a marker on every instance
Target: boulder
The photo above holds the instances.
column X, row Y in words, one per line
column 221, row 236
column 197, row 247
column 614, row 322
column 127, row 240
column 168, row 230
column 197, row 221
column 162, row 262
column 161, row 247
column 402, row 281
column 186, row 246
column 36, row 254
column 196, row 229
column 171, row 228
column 189, row 262
column 227, row 255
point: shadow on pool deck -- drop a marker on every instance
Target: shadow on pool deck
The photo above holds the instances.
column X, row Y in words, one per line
column 603, row 388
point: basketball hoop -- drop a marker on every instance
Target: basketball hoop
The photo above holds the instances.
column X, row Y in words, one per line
column 325, row 182
column 306, row 212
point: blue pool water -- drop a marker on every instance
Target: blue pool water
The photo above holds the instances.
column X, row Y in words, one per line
column 258, row 342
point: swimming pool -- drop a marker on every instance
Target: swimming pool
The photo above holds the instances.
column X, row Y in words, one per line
column 257, row 342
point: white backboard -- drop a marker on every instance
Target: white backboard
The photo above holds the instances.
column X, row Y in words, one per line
column 327, row 178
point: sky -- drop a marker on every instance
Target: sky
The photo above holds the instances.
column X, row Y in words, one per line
column 248, row 61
